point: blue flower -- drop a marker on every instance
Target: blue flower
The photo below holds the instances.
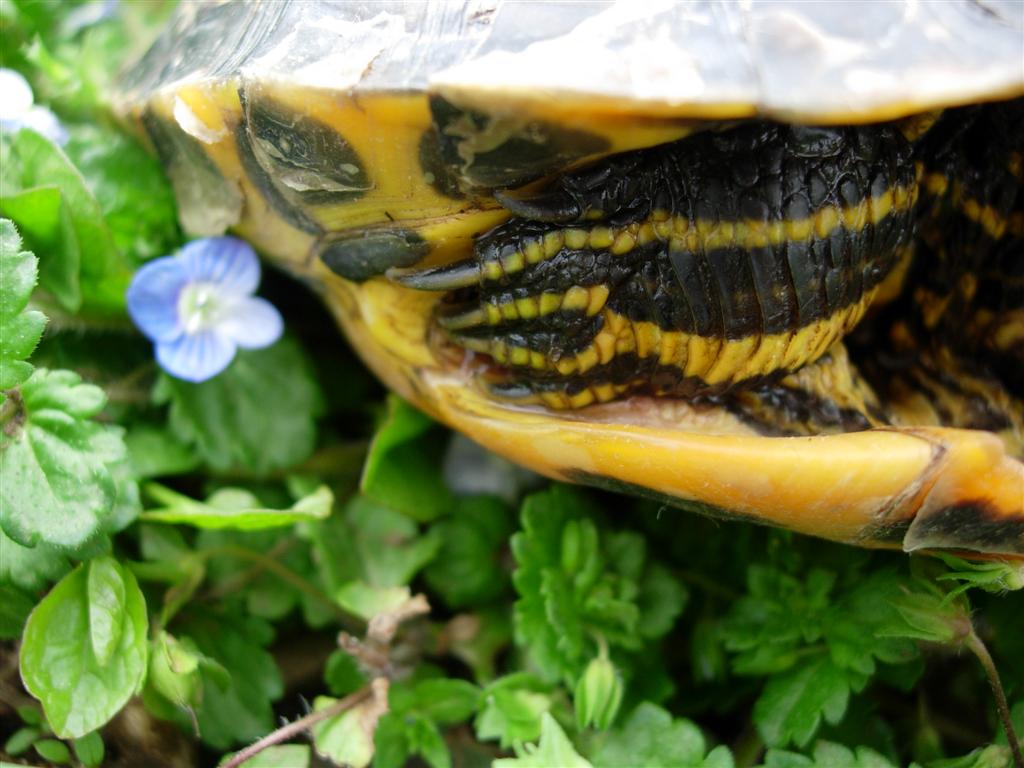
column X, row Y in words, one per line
column 198, row 307
column 17, row 110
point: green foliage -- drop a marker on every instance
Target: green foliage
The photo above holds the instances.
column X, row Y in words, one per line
column 20, row 328
column 567, row 628
column 61, row 468
column 403, row 468
column 513, row 708
column 468, row 569
column 234, row 508
column 575, row 584
column 83, row 654
column 58, row 216
column 651, row 737
column 554, row 748
column 227, row 421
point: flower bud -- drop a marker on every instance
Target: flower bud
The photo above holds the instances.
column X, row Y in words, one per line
column 598, row 693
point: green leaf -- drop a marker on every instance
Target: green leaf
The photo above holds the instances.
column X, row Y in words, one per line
column 227, row 419
column 237, row 709
column 20, row 328
column 20, row 741
column 652, row 738
column 53, row 750
column 174, row 669
column 130, row 187
column 280, row 756
column 442, row 701
column 106, row 600
column 367, row 601
column 827, row 755
column 346, row 738
column 58, row 468
column 342, row 674
column 390, row 546
column 31, row 568
column 512, row 709
column 575, row 583
column 996, row 577
column 793, row 704
column 89, row 749
column 554, row 748
column 467, row 569
column 58, row 215
column 155, row 451
column 234, row 508
column 403, row 468
column 59, row 666
column 15, row 606
column 925, row 613
column 398, row 737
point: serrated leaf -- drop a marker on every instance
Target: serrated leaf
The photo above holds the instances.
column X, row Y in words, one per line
column 227, row 420
column 387, row 547
column 443, row 701
column 238, row 707
column 403, row 466
column 512, row 709
column 59, row 484
column 59, row 667
column 554, row 748
column 793, row 704
column 20, row 328
column 827, row 755
column 467, row 569
column 84, row 256
column 652, row 738
column 234, row 508
column 574, row 583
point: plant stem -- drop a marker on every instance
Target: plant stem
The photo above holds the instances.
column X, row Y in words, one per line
column 295, row 728
column 978, row 649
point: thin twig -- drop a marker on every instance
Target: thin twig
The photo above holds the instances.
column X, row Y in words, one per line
column 978, row 648
column 293, row 729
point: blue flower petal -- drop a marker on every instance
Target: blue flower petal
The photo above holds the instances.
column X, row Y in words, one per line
column 152, row 298
column 196, row 357
column 227, row 261
column 252, row 323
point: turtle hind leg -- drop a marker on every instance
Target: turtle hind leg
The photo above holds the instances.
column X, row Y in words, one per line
column 935, row 385
column 828, row 396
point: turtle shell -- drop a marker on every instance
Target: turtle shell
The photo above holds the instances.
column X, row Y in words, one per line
column 370, row 147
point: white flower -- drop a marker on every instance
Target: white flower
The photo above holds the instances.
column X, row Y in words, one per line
column 17, row 109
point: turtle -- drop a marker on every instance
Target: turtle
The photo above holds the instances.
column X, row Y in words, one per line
column 759, row 261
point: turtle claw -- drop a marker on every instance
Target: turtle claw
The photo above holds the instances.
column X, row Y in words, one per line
column 555, row 207
column 470, row 318
column 461, row 274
